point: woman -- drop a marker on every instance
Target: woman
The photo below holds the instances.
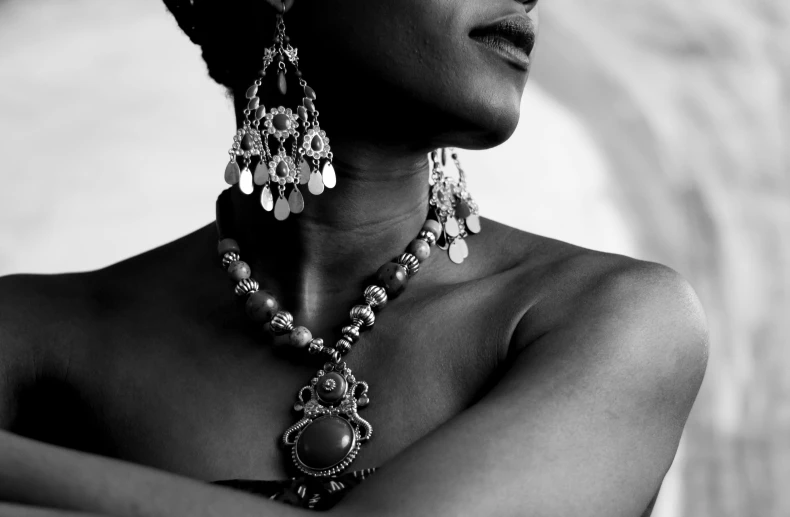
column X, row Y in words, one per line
column 513, row 375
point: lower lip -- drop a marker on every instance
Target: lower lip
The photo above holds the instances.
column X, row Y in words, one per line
column 506, row 50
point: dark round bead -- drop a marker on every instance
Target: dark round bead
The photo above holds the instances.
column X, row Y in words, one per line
column 262, row 306
column 239, row 270
column 331, row 388
column 226, row 245
column 325, row 442
column 393, row 277
column 420, row 249
column 298, row 73
column 281, row 121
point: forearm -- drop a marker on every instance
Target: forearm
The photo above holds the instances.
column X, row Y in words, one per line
column 46, row 476
column 16, row 510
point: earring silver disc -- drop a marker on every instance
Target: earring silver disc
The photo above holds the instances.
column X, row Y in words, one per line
column 296, row 201
column 456, row 252
column 281, row 209
column 304, row 174
column 245, row 181
column 316, row 185
column 451, row 227
column 267, row 202
column 473, row 223
column 328, row 175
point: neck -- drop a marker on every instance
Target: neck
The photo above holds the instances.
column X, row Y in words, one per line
column 343, row 236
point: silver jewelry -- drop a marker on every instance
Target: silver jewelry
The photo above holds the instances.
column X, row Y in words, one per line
column 456, row 210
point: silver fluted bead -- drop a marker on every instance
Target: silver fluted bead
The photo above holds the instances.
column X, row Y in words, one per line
column 316, row 346
column 410, row 262
column 375, row 296
column 363, row 314
column 350, row 333
column 343, row 346
column 427, row 236
column 282, row 322
column 246, row 286
column 229, row 258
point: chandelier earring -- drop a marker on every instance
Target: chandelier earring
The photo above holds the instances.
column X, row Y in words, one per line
column 285, row 148
column 456, row 212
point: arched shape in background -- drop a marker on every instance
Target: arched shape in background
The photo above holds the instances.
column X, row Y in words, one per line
column 689, row 102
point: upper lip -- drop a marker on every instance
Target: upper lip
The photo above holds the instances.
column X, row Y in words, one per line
column 516, row 29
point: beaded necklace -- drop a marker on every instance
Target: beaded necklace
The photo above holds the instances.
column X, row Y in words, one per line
column 330, row 433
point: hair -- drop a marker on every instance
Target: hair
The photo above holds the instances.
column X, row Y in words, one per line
column 230, row 33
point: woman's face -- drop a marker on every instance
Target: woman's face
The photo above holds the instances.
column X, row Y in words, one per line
column 414, row 70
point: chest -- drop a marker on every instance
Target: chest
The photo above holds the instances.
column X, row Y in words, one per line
column 213, row 400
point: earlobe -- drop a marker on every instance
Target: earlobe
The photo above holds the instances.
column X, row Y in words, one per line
column 278, row 4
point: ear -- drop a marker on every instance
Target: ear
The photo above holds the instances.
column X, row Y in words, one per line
column 278, row 4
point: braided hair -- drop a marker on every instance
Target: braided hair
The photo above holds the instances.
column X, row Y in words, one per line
column 230, row 33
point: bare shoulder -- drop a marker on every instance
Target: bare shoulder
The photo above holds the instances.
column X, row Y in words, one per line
column 45, row 319
column 39, row 317
column 644, row 317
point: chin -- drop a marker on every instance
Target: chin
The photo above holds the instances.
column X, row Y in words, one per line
column 487, row 122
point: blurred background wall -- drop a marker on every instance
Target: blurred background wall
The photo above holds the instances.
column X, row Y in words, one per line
column 653, row 129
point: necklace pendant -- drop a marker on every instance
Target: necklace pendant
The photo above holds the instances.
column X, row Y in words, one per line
column 327, row 438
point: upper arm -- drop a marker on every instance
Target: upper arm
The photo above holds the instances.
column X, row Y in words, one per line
column 27, row 348
column 586, row 421
column 12, row 349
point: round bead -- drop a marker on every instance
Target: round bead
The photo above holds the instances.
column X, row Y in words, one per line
column 410, row 262
column 300, row 337
column 350, row 333
column 420, row 249
column 364, row 314
column 246, row 286
column 316, row 346
column 239, row 270
column 433, row 227
column 393, row 277
column 282, row 322
column 325, row 442
column 428, row 237
column 262, row 306
column 281, row 122
column 375, row 296
column 226, row 245
column 229, row 258
column 343, row 346
column 331, row 388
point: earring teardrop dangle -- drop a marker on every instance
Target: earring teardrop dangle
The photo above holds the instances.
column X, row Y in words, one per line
column 292, row 147
column 456, row 211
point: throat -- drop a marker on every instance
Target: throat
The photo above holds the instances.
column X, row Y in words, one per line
column 317, row 262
